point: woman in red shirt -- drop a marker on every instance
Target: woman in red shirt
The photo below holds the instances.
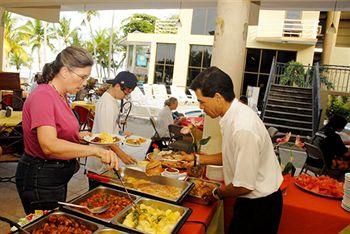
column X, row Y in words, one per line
column 51, row 132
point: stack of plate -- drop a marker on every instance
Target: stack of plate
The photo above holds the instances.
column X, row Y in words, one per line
column 346, row 199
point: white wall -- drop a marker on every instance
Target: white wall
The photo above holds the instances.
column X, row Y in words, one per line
column 183, row 39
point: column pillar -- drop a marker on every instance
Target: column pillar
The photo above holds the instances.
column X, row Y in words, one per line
column 229, row 51
column 330, row 38
column 2, row 11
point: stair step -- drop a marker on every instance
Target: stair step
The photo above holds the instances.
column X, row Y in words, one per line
column 294, row 130
column 298, row 110
column 291, row 88
column 289, row 103
column 291, row 93
column 289, row 115
column 283, row 96
column 288, row 122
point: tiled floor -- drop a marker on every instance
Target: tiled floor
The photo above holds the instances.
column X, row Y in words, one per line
column 10, row 204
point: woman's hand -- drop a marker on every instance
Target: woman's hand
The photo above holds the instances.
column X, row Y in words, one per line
column 108, row 157
column 187, row 157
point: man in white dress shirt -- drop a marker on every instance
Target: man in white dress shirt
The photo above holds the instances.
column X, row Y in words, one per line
column 251, row 169
column 106, row 114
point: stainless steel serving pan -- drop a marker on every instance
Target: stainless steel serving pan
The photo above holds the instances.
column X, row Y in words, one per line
column 38, row 223
column 184, row 212
column 185, row 186
column 88, row 194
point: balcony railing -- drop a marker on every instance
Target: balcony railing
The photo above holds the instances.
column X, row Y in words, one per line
column 166, row 26
column 289, row 28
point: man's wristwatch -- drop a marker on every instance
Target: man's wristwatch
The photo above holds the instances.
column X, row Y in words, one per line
column 216, row 194
column 196, row 162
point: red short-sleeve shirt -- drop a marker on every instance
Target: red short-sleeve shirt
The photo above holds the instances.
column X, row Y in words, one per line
column 45, row 107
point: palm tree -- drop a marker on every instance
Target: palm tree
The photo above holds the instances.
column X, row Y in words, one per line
column 38, row 35
column 13, row 43
column 64, row 31
column 88, row 16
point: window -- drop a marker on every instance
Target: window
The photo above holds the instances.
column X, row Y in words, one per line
column 203, row 21
column 258, row 65
column 141, row 56
column 293, row 15
column 200, row 57
column 164, row 66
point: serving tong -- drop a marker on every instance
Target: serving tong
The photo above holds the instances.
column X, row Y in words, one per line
column 136, row 207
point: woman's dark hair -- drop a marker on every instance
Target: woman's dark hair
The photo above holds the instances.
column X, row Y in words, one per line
column 71, row 57
column 213, row 80
column 170, row 101
column 336, row 122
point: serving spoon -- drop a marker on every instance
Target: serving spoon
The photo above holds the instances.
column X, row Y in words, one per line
column 95, row 210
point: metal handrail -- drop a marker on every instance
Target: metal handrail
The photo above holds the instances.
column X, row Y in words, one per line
column 316, row 107
column 269, row 83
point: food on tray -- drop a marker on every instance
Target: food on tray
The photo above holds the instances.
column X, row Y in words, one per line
column 116, row 204
column 152, row 220
column 323, row 185
column 105, row 138
column 169, row 158
column 136, row 141
column 154, row 168
column 165, row 191
column 202, row 188
column 61, row 224
column 142, row 163
column 196, row 171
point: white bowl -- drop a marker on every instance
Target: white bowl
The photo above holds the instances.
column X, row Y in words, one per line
column 215, row 173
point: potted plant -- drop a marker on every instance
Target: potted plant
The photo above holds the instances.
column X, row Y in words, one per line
column 294, row 74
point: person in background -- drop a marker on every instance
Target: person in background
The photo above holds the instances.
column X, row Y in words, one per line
column 165, row 117
column 251, row 170
column 243, row 99
column 51, row 133
column 106, row 115
column 35, row 82
column 336, row 154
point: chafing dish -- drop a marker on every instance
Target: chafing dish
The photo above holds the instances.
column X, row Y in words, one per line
column 88, row 194
column 184, row 186
column 197, row 199
column 184, row 214
column 38, row 223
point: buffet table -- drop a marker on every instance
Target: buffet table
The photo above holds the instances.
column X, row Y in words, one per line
column 204, row 218
column 307, row 213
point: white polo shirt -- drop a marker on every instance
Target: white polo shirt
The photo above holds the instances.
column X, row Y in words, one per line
column 248, row 157
column 106, row 115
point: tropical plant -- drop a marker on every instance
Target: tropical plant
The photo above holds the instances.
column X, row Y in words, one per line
column 13, row 43
column 65, row 32
column 38, row 36
column 294, row 74
column 338, row 105
column 138, row 22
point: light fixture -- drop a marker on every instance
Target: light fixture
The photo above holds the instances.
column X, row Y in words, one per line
column 332, row 28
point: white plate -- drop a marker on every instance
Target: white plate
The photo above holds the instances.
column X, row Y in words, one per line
column 90, row 138
column 180, row 176
column 134, row 138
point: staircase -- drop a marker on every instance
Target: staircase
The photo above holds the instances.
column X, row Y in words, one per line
column 289, row 108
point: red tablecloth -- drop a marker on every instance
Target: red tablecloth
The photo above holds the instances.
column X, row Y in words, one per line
column 189, row 120
column 201, row 214
column 307, row 213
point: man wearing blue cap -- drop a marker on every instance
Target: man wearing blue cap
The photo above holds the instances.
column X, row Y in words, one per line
column 107, row 111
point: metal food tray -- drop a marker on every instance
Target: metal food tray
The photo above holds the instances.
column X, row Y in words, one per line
column 185, row 186
column 184, row 211
column 197, row 199
column 88, row 194
column 38, row 223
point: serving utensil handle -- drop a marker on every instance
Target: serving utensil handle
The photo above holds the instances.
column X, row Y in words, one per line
column 72, row 205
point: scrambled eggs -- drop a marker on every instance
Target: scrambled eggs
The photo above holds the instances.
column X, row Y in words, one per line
column 152, row 220
column 106, row 137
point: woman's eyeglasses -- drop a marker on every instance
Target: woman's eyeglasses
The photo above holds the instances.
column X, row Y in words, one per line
column 83, row 77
